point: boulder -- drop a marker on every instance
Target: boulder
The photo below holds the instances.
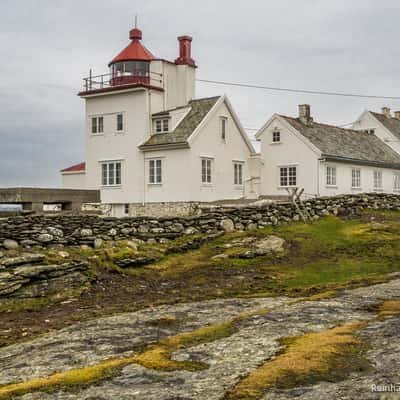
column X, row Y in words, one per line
column 86, row 232
column 98, row 243
column 45, row 238
column 227, row 225
column 177, row 227
column 55, row 232
column 270, row 244
column 112, row 232
column 10, row 244
column 190, row 231
column 132, row 245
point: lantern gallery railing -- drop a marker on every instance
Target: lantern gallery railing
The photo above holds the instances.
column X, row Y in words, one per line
column 96, row 82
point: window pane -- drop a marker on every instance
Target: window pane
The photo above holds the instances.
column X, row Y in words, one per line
column 94, row 125
column 104, row 174
column 208, row 171
column 158, row 171
column 223, row 128
column 165, row 125
column 120, row 122
column 100, row 124
column 118, row 173
column 111, row 173
column 151, row 171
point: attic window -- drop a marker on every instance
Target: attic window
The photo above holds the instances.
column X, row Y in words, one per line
column 370, row 131
column 276, row 137
column 161, row 125
column 223, row 127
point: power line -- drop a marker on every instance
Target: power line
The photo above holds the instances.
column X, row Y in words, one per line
column 279, row 89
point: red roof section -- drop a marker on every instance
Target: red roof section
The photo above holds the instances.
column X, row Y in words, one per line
column 75, row 168
column 135, row 51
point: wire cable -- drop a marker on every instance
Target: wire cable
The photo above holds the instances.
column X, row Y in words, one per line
column 317, row 92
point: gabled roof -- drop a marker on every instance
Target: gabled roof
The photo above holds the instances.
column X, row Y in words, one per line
column 390, row 123
column 347, row 145
column 199, row 108
column 81, row 167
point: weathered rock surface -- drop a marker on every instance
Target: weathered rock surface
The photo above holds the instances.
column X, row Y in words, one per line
column 25, row 258
column 28, row 281
column 228, row 359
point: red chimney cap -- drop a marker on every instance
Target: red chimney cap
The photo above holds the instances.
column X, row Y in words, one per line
column 185, row 50
column 185, row 37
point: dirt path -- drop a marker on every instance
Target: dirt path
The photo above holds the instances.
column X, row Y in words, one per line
column 228, row 358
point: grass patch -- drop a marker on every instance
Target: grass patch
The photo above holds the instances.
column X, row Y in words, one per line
column 308, row 358
column 389, row 309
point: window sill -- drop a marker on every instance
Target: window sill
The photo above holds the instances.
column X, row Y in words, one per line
column 207, row 184
column 97, row 134
column 331, row 186
column 154, row 184
column 119, row 132
column 238, row 187
column 355, row 188
column 287, row 187
column 378, row 189
column 111, row 186
column 275, row 143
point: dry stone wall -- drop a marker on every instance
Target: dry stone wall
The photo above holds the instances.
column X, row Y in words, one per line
column 86, row 229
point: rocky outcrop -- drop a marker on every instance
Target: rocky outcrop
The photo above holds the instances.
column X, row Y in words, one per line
column 228, row 359
column 61, row 230
column 22, row 277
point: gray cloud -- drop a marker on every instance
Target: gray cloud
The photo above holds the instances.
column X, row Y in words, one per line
column 47, row 46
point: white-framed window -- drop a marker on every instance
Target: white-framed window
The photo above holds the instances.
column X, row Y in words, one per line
column 238, row 173
column 356, row 178
column 155, row 171
column 288, row 176
column 224, row 121
column 161, row 125
column 111, row 173
column 330, row 175
column 97, row 125
column 276, row 136
column 206, row 164
column 396, row 182
column 377, row 179
column 120, row 122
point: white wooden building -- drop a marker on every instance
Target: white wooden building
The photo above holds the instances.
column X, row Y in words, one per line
column 323, row 159
column 148, row 139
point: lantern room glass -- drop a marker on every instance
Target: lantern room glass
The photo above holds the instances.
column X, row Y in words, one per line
column 125, row 72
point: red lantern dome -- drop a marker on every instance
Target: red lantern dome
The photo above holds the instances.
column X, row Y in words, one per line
column 132, row 64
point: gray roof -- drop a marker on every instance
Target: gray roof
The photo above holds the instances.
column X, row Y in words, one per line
column 199, row 109
column 390, row 123
column 347, row 145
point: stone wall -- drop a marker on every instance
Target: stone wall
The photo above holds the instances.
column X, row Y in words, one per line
column 84, row 229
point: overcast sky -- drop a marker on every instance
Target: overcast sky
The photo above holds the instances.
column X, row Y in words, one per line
column 47, row 46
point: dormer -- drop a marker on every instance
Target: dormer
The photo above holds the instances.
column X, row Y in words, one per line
column 168, row 121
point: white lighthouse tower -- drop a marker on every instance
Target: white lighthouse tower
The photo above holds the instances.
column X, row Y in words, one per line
column 118, row 108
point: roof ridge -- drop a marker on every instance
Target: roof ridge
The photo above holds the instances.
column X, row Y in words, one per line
column 326, row 125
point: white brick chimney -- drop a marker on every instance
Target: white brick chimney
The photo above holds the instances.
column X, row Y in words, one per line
column 386, row 112
column 305, row 114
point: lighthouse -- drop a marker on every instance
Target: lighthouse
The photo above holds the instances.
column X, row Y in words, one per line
column 151, row 146
column 118, row 114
